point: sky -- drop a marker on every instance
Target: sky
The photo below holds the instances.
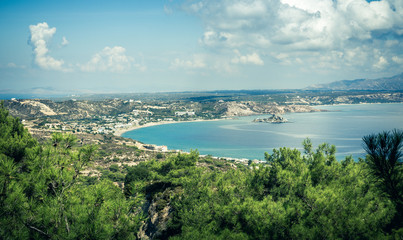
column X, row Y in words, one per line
column 130, row 46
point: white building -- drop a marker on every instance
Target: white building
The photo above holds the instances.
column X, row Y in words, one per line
column 184, row 113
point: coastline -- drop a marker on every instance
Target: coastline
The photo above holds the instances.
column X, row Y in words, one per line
column 121, row 131
column 348, row 104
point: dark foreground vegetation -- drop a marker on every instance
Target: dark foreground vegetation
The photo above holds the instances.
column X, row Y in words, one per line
column 308, row 195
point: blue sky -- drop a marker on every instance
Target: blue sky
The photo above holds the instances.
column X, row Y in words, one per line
column 63, row 47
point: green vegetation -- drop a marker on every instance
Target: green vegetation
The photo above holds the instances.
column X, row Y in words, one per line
column 384, row 160
column 294, row 196
column 310, row 195
column 42, row 195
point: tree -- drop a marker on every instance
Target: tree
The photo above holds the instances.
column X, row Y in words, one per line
column 384, row 160
column 14, row 138
column 42, row 195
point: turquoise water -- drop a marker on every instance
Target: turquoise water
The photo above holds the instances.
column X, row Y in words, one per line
column 344, row 126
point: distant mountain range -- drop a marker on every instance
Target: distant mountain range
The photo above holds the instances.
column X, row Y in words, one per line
column 391, row 83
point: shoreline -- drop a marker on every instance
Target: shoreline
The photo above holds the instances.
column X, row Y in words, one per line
column 120, row 132
column 348, row 104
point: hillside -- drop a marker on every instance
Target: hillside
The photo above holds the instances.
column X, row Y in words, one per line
column 390, row 84
column 35, row 108
column 64, row 189
column 69, row 110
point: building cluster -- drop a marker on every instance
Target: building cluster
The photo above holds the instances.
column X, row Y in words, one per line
column 111, row 124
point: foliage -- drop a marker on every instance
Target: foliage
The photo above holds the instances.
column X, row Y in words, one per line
column 295, row 196
column 385, row 162
column 14, row 138
column 309, row 195
column 42, row 194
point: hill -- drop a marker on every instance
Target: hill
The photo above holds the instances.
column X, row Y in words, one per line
column 61, row 189
column 389, row 84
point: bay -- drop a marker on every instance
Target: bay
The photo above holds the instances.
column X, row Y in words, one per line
column 343, row 126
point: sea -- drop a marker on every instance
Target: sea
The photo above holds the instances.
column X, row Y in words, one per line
column 342, row 126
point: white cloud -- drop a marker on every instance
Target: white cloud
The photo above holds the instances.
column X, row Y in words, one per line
column 283, row 58
column 140, row 67
column 247, row 9
column 324, row 33
column 41, row 34
column 109, row 59
column 12, row 65
column 253, row 58
column 196, row 62
column 65, row 41
column 168, row 10
column 397, row 59
column 371, row 16
column 381, row 64
column 213, row 39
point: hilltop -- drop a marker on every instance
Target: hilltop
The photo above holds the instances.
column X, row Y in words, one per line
column 394, row 83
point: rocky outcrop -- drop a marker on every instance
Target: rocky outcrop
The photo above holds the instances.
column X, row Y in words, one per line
column 273, row 119
column 236, row 109
column 159, row 210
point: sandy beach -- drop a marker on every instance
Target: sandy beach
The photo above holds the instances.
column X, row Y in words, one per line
column 120, row 131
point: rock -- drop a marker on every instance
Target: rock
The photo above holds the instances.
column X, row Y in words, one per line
column 275, row 118
column 158, row 208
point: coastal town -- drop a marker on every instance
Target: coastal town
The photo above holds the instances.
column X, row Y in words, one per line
column 103, row 121
column 116, row 124
column 118, row 115
column 42, row 114
column 129, row 114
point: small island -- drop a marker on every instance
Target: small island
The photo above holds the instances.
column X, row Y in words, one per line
column 275, row 118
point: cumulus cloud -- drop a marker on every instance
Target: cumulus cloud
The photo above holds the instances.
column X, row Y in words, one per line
column 207, row 63
column 111, row 59
column 196, row 62
column 253, row 58
column 296, row 31
column 12, row 65
column 64, row 41
column 41, row 34
column 381, row 63
column 397, row 60
column 294, row 21
column 168, row 10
